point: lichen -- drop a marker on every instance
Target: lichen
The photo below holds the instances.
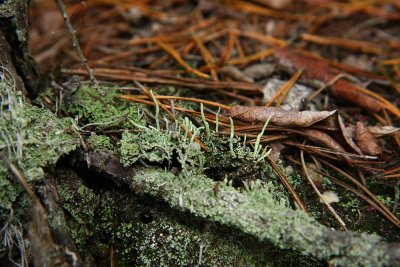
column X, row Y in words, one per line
column 100, row 142
column 255, row 211
column 146, row 233
column 157, row 146
column 74, row 192
column 31, row 137
column 105, row 111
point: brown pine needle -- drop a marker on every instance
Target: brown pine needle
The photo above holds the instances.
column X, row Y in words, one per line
column 170, row 50
column 238, row 47
column 287, row 184
column 389, row 214
column 197, row 100
column 310, row 181
column 284, row 88
column 393, row 61
column 385, row 103
column 354, row 45
column 265, row 39
column 251, row 58
column 289, row 85
column 209, row 117
column 208, row 58
column 226, row 53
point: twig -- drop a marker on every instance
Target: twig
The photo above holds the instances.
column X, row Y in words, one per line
column 76, row 45
column 287, row 184
column 329, row 206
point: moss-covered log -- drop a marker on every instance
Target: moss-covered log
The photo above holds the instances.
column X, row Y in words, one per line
column 254, row 211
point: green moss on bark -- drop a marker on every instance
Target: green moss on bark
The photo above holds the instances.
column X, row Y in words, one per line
column 105, row 111
column 32, row 138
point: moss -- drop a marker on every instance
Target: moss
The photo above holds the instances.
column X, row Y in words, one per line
column 80, row 203
column 32, row 138
column 100, row 142
column 146, row 233
column 105, row 111
column 257, row 212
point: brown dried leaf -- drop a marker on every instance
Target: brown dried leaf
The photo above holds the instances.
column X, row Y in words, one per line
column 315, row 68
column 279, row 116
column 366, row 141
column 348, row 138
column 325, row 139
column 345, row 90
column 378, row 131
column 276, row 148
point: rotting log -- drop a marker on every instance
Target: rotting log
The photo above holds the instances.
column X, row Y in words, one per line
column 268, row 221
column 14, row 52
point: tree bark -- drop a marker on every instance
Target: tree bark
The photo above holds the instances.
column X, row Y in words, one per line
column 14, row 52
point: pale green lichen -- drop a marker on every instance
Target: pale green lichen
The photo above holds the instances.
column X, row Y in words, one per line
column 32, row 138
column 257, row 212
column 158, row 146
column 105, row 111
column 72, row 193
column 163, row 239
column 100, row 142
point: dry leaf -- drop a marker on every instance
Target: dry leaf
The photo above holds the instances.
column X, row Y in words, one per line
column 346, row 91
column 366, row 141
column 315, row 68
column 378, row 131
column 348, row 138
column 279, row 116
column 276, row 148
column 325, row 139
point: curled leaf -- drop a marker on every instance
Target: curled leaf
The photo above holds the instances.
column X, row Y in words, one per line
column 279, row 116
column 378, row 131
column 345, row 90
column 366, row 141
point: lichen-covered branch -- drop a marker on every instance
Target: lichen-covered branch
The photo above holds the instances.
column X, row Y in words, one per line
column 255, row 211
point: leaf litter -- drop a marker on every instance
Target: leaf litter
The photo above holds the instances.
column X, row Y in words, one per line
column 225, row 53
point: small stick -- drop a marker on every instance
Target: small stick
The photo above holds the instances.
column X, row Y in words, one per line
column 329, row 206
column 287, row 184
column 76, row 45
column 288, row 85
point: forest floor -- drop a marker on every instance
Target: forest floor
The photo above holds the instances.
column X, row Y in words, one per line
column 222, row 133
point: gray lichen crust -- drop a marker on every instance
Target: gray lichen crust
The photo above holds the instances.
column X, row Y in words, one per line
column 255, row 211
column 31, row 137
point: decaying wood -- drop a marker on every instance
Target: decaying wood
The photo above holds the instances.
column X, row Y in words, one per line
column 341, row 242
column 14, row 53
